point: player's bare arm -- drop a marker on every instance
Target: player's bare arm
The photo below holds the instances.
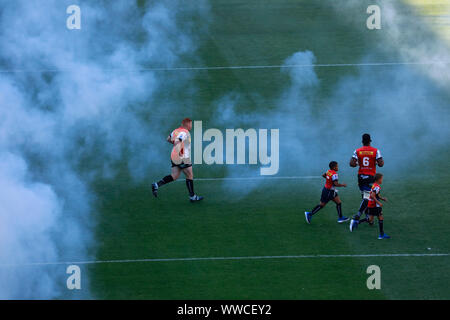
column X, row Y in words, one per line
column 337, row 184
column 373, row 196
column 380, row 162
column 353, row 162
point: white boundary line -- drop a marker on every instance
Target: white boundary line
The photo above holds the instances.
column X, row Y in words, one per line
column 321, row 256
column 320, row 65
column 256, row 178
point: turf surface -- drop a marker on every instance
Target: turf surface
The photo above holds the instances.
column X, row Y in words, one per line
column 269, row 220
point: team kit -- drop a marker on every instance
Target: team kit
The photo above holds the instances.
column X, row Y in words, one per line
column 367, row 158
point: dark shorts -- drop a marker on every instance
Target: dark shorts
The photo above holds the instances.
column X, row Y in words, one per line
column 181, row 165
column 365, row 182
column 376, row 211
column 327, row 195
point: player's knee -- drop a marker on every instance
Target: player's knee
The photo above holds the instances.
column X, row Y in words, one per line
column 380, row 217
column 175, row 176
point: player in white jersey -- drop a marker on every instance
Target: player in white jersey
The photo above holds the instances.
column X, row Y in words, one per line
column 181, row 160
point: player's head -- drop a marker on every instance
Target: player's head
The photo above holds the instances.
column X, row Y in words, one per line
column 334, row 165
column 366, row 140
column 187, row 123
column 378, row 178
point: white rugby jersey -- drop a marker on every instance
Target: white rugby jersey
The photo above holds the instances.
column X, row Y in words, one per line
column 184, row 136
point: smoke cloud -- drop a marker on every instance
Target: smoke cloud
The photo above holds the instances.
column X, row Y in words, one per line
column 403, row 107
column 75, row 103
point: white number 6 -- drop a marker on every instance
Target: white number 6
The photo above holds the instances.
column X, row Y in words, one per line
column 366, row 161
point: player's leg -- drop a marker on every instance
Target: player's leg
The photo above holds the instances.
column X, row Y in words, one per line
column 365, row 192
column 309, row 214
column 338, row 202
column 366, row 218
column 324, row 198
column 364, row 184
column 189, row 173
column 175, row 173
column 318, row 207
column 381, row 226
column 356, row 219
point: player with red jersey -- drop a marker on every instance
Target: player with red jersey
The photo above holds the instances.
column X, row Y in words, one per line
column 181, row 160
column 329, row 193
column 367, row 157
column 375, row 206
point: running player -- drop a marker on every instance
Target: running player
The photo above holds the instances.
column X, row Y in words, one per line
column 329, row 193
column 375, row 206
column 367, row 157
column 181, row 160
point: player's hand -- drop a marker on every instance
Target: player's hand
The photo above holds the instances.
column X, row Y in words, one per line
column 344, row 185
column 384, row 199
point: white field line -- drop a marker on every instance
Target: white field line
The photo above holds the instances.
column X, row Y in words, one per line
column 256, row 178
column 320, row 256
column 320, row 65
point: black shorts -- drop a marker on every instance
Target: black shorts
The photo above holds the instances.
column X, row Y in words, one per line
column 376, row 211
column 181, row 165
column 365, row 182
column 327, row 195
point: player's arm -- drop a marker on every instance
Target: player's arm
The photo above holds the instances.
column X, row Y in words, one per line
column 380, row 161
column 324, row 175
column 169, row 139
column 177, row 141
column 337, row 184
column 373, row 196
column 382, row 198
column 354, row 160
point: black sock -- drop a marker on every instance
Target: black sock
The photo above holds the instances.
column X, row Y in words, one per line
column 362, row 208
column 380, row 223
column 316, row 209
column 165, row 180
column 339, row 210
column 190, row 186
column 363, row 220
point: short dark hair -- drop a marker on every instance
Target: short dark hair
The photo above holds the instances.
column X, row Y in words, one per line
column 332, row 164
column 185, row 121
column 378, row 176
column 366, row 139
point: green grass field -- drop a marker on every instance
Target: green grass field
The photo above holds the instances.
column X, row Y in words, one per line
column 269, row 220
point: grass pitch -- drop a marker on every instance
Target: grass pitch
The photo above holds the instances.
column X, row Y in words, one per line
column 269, row 220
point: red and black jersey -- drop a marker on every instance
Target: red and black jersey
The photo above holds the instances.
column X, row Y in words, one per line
column 331, row 176
column 367, row 157
column 375, row 189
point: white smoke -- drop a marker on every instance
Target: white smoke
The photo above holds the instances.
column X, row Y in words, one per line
column 403, row 107
column 74, row 104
